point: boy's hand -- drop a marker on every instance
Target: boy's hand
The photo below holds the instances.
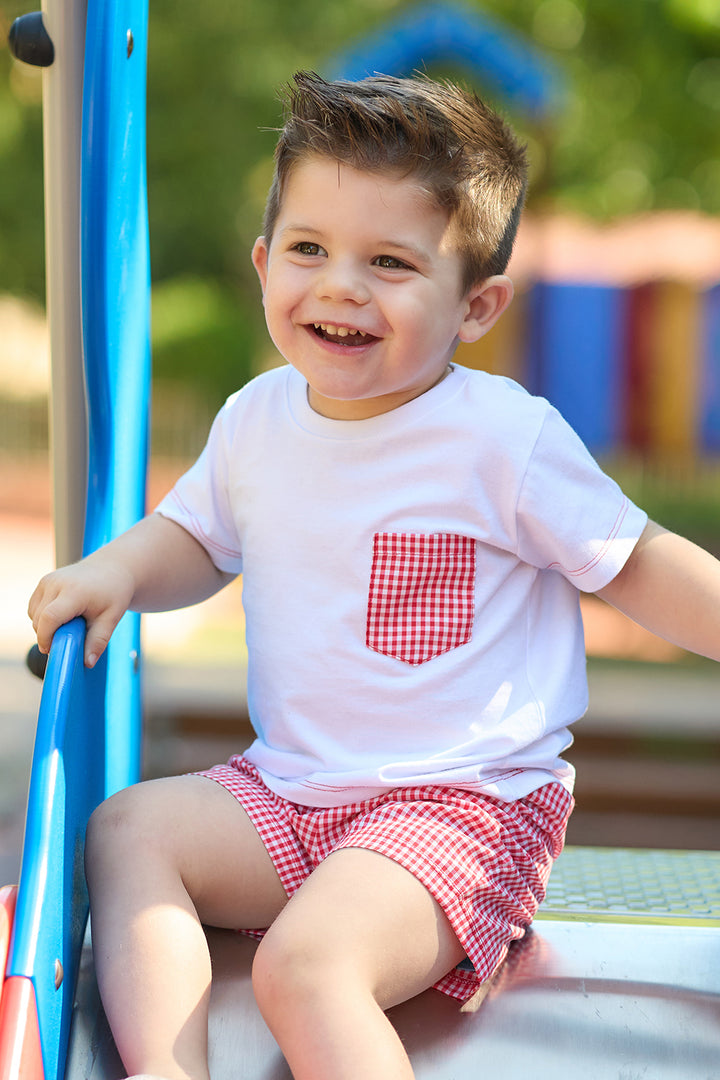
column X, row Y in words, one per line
column 154, row 566
column 98, row 588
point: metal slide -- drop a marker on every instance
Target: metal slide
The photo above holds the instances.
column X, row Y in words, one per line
column 620, row 976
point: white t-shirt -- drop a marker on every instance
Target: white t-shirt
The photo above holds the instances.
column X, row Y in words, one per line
column 409, row 581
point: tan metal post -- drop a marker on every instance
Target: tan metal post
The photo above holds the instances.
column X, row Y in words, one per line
column 62, row 116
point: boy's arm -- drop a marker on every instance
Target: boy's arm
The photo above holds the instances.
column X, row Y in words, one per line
column 155, row 566
column 672, row 587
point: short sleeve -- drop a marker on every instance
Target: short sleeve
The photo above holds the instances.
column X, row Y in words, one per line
column 571, row 516
column 200, row 501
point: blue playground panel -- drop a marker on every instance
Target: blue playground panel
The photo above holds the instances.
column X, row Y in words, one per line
column 575, row 348
column 710, row 382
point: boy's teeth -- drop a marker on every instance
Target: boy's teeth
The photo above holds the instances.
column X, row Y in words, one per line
column 336, row 331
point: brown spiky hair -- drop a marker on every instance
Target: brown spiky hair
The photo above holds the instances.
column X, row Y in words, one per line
column 438, row 134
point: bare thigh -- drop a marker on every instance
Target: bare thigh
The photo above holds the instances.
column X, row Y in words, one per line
column 362, row 916
column 191, row 827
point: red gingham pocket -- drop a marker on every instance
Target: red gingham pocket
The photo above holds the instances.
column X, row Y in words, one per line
column 422, row 594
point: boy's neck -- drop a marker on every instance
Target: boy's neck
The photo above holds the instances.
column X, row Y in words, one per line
column 365, row 408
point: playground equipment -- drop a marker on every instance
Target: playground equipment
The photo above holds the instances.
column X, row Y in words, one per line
column 621, row 973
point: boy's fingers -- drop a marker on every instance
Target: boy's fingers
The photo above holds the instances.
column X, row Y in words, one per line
column 61, row 610
column 46, row 621
column 98, row 593
column 98, row 635
column 37, row 603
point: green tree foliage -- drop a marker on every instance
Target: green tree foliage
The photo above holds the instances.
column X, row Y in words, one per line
column 21, row 192
column 639, row 129
column 213, row 85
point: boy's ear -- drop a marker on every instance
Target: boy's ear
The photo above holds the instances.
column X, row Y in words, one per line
column 260, row 260
column 485, row 304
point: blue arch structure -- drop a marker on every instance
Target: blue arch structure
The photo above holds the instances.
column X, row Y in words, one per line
column 434, row 32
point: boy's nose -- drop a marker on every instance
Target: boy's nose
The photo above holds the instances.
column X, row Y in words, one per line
column 342, row 280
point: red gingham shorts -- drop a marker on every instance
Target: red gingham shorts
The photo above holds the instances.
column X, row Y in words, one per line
column 486, row 862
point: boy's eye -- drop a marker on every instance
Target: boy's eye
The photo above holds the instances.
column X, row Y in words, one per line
column 306, row 247
column 388, row 262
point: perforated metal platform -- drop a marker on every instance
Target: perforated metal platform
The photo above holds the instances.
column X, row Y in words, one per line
column 621, row 885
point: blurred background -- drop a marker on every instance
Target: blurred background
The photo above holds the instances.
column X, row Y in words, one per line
column 616, row 320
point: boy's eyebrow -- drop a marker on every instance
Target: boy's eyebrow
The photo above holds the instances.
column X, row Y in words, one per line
column 417, row 253
column 299, row 228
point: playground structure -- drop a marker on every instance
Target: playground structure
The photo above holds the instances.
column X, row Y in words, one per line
column 620, row 975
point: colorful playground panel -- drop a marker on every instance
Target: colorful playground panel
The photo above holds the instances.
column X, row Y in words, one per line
column 635, row 369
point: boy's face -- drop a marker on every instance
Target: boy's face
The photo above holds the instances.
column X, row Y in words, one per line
column 361, row 288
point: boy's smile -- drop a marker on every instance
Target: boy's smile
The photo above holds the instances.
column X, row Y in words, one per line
column 362, row 290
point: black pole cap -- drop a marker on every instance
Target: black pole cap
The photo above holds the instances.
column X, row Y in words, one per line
column 30, row 42
column 36, row 662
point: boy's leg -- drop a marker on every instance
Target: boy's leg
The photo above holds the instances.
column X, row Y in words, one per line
column 162, row 858
column 360, row 935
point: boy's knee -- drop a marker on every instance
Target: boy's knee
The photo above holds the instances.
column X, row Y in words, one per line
column 290, row 968
column 116, row 822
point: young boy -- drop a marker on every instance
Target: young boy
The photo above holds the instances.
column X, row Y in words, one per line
column 412, row 536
